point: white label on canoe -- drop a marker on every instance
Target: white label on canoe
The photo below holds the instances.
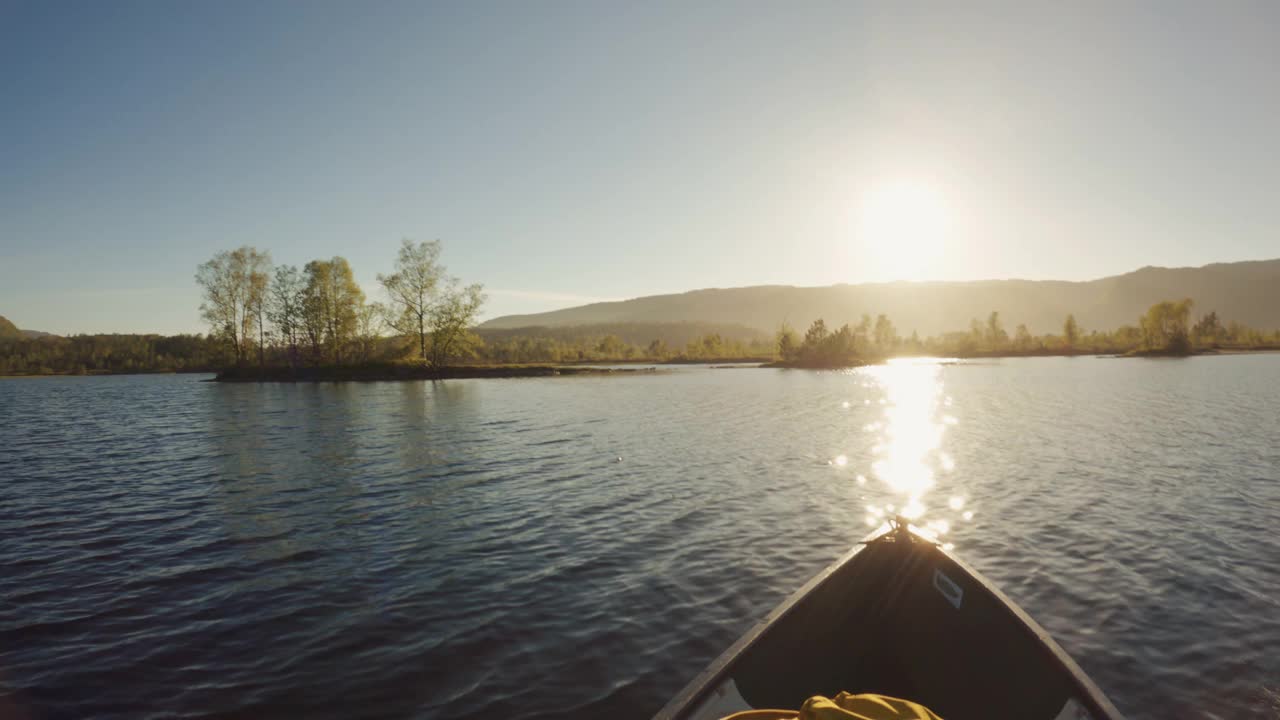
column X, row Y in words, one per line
column 1073, row 711
column 949, row 589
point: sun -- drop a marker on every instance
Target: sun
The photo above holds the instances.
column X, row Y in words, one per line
column 902, row 228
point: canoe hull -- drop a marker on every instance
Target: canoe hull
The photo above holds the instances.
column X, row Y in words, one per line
column 898, row 616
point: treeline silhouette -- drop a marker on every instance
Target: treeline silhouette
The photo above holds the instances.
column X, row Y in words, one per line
column 1166, row 328
column 110, row 354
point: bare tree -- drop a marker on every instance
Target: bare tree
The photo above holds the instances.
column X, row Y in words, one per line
column 861, row 334
column 313, row 310
column 996, row 336
column 234, row 283
column 1022, row 337
column 330, row 304
column 220, row 307
column 788, row 343
column 1164, row 326
column 886, row 335
column 259, row 282
column 369, row 324
column 413, row 290
column 1070, row 331
column 284, row 307
column 451, row 317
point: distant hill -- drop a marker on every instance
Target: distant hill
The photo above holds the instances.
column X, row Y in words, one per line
column 8, row 330
column 675, row 334
column 1248, row 292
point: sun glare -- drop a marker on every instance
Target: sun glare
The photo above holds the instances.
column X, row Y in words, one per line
column 902, row 227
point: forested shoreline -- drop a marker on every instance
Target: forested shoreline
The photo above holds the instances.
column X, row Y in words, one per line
column 1164, row 330
column 123, row 354
column 303, row 322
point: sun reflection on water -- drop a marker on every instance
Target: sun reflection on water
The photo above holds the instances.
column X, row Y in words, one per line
column 910, row 434
column 908, row 455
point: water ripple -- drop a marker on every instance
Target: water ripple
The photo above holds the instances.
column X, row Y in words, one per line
column 580, row 547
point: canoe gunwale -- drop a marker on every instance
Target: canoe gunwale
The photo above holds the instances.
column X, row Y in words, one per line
column 1097, row 701
column 711, row 678
column 707, row 681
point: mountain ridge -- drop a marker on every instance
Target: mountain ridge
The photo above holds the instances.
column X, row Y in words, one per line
column 1246, row 291
column 9, row 331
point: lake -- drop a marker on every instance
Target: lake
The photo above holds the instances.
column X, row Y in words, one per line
column 582, row 546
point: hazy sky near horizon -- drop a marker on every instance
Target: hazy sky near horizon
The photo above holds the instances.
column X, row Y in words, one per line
column 567, row 152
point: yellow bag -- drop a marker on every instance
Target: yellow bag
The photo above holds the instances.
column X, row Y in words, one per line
column 845, row 706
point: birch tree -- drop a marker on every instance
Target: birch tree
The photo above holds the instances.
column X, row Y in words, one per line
column 284, row 308
column 369, row 323
column 450, row 319
column 413, row 290
column 331, row 302
column 256, row 304
column 234, row 283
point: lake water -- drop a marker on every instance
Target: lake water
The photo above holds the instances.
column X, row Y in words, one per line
column 581, row 547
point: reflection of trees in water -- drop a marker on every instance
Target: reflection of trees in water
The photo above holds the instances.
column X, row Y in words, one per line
column 412, row 447
column 331, row 431
column 428, row 413
column 285, row 457
column 306, row 471
column 442, row 448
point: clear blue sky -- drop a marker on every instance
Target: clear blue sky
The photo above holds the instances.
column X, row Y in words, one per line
column 565, row 152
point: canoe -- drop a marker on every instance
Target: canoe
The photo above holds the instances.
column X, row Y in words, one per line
column 901, row 616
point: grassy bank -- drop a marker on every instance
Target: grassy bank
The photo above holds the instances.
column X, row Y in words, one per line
column 415, row 371
column 407, row 371
column 802, row 365
column 718, row 360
